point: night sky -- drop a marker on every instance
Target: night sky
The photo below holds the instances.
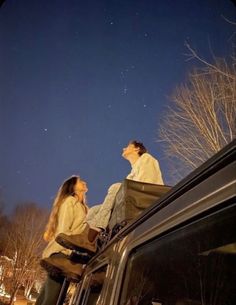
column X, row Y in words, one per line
column 79, row 79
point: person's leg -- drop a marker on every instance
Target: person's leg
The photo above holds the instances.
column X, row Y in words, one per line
column 50, row 291
column 101, row 218
column 92, row 213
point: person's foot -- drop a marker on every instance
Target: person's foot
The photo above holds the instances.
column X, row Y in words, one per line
column 62, row 266
column 80, row 258
column 78, row 242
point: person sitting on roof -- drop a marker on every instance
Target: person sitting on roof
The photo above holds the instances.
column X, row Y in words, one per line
column 145, row 168
column 67, row 215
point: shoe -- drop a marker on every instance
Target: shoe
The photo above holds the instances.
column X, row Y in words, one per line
column 80, row 258
column 78, row 242
column 58, row 266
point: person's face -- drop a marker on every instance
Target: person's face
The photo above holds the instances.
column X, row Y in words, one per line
column 80, row 187
column 129, row 150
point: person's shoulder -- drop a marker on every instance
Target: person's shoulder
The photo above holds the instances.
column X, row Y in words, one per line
column 70, row 200
column 147, row 157
column 73, row 202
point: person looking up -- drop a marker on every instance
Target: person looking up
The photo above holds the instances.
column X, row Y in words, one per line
column 67, row 216
column 145, row 168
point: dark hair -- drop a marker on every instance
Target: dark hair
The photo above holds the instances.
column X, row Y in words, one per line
column 67, row 187
column 142, row 148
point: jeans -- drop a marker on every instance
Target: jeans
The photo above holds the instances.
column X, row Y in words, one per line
column 99, row 215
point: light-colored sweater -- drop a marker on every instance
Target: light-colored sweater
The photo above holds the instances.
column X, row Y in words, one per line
column 71, row 220
column 146, row 169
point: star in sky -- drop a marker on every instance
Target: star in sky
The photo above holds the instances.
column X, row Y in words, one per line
column 76, row 64
column 125, row 90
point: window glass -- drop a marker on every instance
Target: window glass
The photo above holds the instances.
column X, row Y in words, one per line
column 194, row 265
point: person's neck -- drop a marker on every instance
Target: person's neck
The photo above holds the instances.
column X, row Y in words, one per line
column 80, row 197
column 133, row 158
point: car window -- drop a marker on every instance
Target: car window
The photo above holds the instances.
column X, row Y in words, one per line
column 193, row 265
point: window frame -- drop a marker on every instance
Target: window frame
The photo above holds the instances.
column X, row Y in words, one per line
column 84, row 291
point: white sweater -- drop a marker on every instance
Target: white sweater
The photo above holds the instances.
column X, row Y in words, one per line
column 71, row 220
column 146, row 169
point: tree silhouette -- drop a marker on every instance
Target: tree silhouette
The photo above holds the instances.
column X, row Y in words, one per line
column 201, row 119
column 24, row 245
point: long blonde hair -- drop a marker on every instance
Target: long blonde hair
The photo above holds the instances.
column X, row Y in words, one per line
column 66, row 189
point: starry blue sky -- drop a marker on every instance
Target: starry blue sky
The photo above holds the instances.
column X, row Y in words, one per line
column 79, row 79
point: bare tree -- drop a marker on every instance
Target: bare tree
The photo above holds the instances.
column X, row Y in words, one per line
column 32, row 277
column 201, row 119
column 2, row 215
column 25, row 245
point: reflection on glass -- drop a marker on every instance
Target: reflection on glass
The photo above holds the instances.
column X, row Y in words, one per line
column 195, row 265
column 95, row 286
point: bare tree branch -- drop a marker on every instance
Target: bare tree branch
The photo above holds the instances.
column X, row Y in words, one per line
column 202, row 117
column 229, row 21
column 194, row 54
column 25, row 245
